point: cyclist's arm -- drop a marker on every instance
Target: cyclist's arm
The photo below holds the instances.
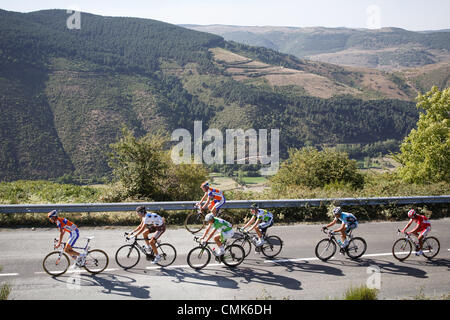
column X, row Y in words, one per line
column 211, row 234
column 206, row 203
column 250, row 222
column 332, row 223
column 407, row 226
column 415, row 229
column 342, row 227
column 253, row 227
column 206, row 232
column 203, row 199
column 61, row 235
column 139, row 227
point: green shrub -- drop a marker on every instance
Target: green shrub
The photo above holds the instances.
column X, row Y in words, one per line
column 361, row 293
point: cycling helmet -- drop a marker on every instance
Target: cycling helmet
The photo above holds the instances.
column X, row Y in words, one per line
column 255, row 206
column 209, row 217
column 411, row 213
column 141, row 209
column 52, row 214
column 337, row 211
column 205, row 184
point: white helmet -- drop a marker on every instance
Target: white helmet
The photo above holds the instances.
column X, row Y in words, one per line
column 209, row 217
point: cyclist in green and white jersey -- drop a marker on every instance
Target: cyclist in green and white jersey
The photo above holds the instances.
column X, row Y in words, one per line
column 261, row 219
column 224, row 227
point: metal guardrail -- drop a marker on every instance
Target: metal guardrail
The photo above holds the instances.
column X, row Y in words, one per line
column 232, row 204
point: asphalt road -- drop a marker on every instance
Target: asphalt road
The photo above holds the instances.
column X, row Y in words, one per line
column 295, row 274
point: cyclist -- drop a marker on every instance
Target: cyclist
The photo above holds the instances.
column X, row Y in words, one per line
column 224, row 227
column 421, row 230
column 349, row 222
column 154, row 223
column 214, row 198
column 64, row 226
column 262, row 220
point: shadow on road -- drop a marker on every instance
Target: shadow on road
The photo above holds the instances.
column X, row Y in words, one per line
column 306, row 266
column 396, row 268
column 112, row 284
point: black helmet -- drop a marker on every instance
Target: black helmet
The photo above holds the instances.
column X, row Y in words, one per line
column 140, row 209
column 255, row 206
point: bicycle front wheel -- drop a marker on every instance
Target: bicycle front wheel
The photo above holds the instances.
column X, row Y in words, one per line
column 127, row 256
column 168, row 254
column 401, row 249
column 356, row 247
column 245, row 244
column 233, row 255
column 430, row 247
column 198, row 257
column 96, row 261
column 56, row 263
column 194, row 222
column 272, row 246
column 325, row 249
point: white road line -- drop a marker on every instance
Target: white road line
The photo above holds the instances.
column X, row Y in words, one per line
column 313, row 259
column 8, row 274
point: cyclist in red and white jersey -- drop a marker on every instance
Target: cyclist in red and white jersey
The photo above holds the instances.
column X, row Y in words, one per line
column 64, row 226
column 421, row 230
column 214, row 198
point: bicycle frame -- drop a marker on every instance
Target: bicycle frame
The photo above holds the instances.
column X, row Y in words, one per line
column 137, row 245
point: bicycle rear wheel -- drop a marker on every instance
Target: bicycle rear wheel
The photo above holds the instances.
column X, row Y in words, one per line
column 198, row 257
column 430, row 247
column 272, row 246
column 356, row 247
column 245, row 244
column 168, row 254
column 325, row 249
column 96, row 261
column 233, row 255
column 194, row 222
column 56, row 263
column 127, row 256
column 401, row 249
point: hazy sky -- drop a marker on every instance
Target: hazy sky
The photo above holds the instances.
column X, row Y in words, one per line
column 407, row 14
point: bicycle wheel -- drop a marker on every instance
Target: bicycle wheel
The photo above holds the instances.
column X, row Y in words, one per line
column 96, row 261
column 245, row 244
column 127, row 256
column 430, row 247
column 272, row 246
column 198, row 257
column 168, row 254
column 356, row 247
column 401, row 249
column 194, row 222
column 56, row 263
column 233, row 255
column 325, row 249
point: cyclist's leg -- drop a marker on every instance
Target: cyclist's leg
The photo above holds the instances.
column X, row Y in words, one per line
column 217, row 205
column 74, row 235
column 422, row 234
column 159, row 232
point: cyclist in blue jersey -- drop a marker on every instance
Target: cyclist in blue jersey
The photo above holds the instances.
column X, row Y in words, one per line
column 261, row 219
column 349, row 222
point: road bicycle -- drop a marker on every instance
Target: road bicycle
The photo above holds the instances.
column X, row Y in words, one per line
column 129, row 255
column 195, row 221
column 57, row 262
column 271, row 247
column 326, row 248
column 200, row 256
column 402, row 248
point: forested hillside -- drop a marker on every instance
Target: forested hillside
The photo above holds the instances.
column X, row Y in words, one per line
column 66, row 94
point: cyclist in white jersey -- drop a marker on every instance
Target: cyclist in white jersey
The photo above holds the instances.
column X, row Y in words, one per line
column 262, row 220
column 154, row 223
column 349, row 222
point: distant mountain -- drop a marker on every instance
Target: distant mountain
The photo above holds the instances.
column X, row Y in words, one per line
column 385, row 49
column 65, row 94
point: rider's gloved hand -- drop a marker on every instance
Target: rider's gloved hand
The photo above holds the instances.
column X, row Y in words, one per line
column 324, row 228
column 202, row 242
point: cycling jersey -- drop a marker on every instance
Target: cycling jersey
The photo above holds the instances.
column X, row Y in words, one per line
column 66, row 225
column 225, row 228
column 347, row 218
column 154, row 219
column 422, row 221
column 216, row 194
column 264, row 215
column 222, row 225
